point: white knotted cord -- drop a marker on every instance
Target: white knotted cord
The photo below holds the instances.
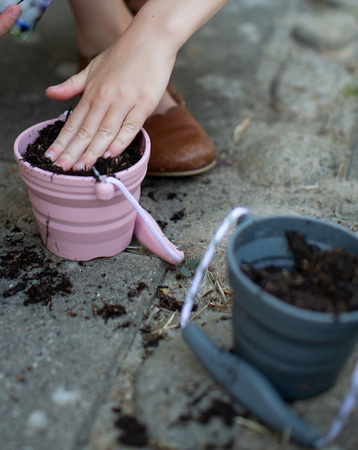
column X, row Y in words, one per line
column 229, row 220
column 346, row 408
column 143, row 213
column 351, row 396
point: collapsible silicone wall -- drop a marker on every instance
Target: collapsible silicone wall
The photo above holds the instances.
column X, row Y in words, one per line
column 301, row 351
column 73, row 222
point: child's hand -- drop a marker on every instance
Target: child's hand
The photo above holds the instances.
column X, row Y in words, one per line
column 8, row 18
column 120, row 88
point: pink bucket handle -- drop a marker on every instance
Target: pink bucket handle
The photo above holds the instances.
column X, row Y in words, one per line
column 146, row 229
column 148, row 232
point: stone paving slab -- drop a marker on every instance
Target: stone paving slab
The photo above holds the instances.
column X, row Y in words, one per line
column 59, row 360
column 195, row 395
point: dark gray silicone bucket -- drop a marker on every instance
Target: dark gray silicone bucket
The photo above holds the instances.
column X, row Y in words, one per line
column 300, row 351
column 280, row 351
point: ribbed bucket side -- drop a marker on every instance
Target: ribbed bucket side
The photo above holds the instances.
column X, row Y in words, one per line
column 301, row 351
column 73, row 222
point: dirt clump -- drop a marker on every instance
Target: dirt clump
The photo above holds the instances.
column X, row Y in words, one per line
column 321, row 280
column 35, row 155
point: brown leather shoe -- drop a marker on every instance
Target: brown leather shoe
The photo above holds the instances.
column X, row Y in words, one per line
column 83, row 61
column 179, row 146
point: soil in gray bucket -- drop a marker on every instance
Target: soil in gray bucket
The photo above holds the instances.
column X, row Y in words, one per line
column 321, row 280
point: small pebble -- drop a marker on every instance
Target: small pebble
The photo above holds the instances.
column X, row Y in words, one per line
column 327, row 31
column 38, row 420
column 63, row 397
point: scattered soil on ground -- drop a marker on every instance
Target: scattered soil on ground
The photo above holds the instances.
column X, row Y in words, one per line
column 49, row 282
column 44, row 282
column 166, row 301
column 35, row 155
column 16, row 261
column 133, row 433
column 219, row 409
column 324, row 281
column 152, row 340
column 137, row 290
column 162, row 223
column 109, row 311
column 178, row 215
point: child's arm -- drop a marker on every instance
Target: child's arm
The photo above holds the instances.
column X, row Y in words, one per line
column 122, row 86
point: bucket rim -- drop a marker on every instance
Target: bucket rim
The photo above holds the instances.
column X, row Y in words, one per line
column 349, row 317
column 73, row 179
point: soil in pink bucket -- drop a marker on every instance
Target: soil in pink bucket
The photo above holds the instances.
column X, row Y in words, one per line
column 35, row 154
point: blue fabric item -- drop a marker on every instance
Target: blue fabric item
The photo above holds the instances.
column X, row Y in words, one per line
column 32, row 11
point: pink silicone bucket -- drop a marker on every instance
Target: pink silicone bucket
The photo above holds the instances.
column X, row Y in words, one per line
column 76, row 219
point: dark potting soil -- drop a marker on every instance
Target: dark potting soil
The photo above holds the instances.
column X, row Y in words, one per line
column 34, row 272
column 324, row 281
column 166, row 301
column 35, row 155
column 137, row 290
column 221, row 409
column 109, row 311
column 133, row 433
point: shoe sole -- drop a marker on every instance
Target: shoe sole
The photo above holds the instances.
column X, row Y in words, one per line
column 185, row 173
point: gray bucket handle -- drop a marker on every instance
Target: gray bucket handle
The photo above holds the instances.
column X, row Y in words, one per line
column 249, row 387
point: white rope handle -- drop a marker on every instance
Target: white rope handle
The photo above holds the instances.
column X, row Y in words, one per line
column 230, row 220
column 346, row 408
column 143, row 213
column 352, row 394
